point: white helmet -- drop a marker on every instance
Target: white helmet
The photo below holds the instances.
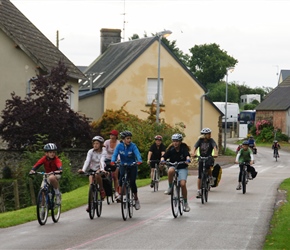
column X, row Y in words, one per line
column 177, row 137
column 98, row 138
column 205, row 131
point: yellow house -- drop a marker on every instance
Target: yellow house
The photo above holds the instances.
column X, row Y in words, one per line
column 26, row 52
column 128, row 72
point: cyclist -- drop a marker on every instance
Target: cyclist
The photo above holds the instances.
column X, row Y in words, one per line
column 51, row 164
column 239, row 148
column 207, row 146
column 276, row 146
column 252, row 144
column 155, row 152
column 245, row 155
column 110, row 146
column 128, row 153
column 95, row 161
column 176, row 152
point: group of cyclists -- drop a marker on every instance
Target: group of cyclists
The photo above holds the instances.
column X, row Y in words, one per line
column 108, row 152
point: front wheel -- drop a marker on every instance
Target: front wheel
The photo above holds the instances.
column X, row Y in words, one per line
column 55, row 210
column 244, row 181
column 181, row 201
column 124, row 202
column 156, row 179
column 91, row 201
column 130, row 202
column 174, row 199
column 42, row 208
column 98, row 202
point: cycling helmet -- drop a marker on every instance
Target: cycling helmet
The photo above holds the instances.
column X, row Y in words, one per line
column 114, row 132
column 251, row 137
column 245, row 143
column 275, row 141
column 98, row 138
column 50, row 147
column 125, row 134
column 158, row 137
column 177, row 137
column 205, row 131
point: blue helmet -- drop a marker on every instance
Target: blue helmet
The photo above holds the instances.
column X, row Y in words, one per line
column 245, row 143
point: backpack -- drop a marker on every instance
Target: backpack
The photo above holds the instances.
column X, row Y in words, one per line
column 217, row 173
column 107, row 186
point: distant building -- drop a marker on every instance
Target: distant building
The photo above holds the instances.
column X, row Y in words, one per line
column 246, row 99
column 284, row 73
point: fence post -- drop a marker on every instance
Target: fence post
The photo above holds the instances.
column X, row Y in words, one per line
column 16, row 194
column 32, row 194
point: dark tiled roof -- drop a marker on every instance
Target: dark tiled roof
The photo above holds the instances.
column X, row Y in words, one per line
column 278, row 98
column 28, row 38
column 118, row 56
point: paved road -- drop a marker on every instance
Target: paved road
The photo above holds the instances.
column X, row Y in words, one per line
column 230, row 219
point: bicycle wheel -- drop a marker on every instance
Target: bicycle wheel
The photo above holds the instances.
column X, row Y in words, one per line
column 180, row 200
column 91, row 203
column 131, row 202
column 174, row 199
column 206, row 189
column 124, row 202
column 156, row 179
column 203, row 187
column 42, row 208
column 276, row 155
column 244, row 181
column 55, row 209
column 98, row 202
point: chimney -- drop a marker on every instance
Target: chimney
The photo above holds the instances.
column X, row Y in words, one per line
column 109, row 36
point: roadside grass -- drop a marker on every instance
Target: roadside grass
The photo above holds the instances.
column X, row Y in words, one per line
column 70, row 200
column 278, row 236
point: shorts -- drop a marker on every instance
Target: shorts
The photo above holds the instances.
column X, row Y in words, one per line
column 182, row 174
column 58, row 176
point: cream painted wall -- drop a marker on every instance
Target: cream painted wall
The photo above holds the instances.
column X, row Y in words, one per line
column 92, row 106
column 181, row 93
column 16, row 68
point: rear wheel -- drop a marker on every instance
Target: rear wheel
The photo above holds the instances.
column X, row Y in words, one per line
column 174, row 199
column 91, row 201
column 42, row 208
column 55, row 210
column 156, row 179
column 98, row 202
column 244, row 181
column 124, row 202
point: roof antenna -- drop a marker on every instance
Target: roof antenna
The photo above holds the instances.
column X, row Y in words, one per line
column 124, row 22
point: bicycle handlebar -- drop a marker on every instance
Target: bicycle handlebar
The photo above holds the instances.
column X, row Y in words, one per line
column 175, row 163
column 43, row 173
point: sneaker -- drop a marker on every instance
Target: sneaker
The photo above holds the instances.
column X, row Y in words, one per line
column 250, row 176
column 239, row 187
column 198, row 195
column 116, row 195
column 168, row 191
column 137, row 204
column 118, row 198
column 87, row 209
column 58, row 199
column 211, row 180
column 186, row 207
column 103, row 194
column 152, row 184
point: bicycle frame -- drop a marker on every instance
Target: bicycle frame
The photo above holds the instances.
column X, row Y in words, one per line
column 245, row 178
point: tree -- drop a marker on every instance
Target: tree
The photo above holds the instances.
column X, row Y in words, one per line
column 209, row 63
column 217, row 92
column 45, row 111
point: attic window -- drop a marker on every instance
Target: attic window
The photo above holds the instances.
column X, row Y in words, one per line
column 152, row 90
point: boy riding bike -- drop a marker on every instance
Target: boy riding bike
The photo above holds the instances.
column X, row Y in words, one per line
column 276, row 146
column 52, row 164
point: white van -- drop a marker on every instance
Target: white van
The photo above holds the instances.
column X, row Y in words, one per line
column 233, row 111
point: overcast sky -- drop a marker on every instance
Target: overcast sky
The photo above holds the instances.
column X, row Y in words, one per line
column 254, row 32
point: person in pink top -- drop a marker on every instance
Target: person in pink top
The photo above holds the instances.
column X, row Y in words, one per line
column 110, row 146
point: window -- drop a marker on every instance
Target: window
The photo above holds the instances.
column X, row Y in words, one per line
column 152, row 90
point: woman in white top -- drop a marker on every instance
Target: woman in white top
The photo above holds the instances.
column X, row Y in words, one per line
column 96, row 161
column 110, row 146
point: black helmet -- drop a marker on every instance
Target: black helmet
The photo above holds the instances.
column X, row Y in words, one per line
column 245, row 143
column 125, row 134
column 98, row 138
column 50, row 147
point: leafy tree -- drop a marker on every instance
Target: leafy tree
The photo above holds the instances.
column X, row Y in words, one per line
column 45, row 111
column 218, row 92
column 209, row 63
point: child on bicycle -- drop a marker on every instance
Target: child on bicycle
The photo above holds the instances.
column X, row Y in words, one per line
column 128, row 153
column 276, row 146
column 52, row 164
column 95, row 161
column 245, row 155
column 110, row 146
column 206, row 146
column 155, row 152
column 176, row 152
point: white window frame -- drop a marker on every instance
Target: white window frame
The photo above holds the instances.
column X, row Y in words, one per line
column 152, row 90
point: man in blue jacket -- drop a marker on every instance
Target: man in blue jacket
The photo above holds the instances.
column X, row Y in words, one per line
column 129, row 153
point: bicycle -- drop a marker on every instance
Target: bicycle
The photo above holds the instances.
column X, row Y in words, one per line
column 177, row 201
column 245, row 176
column 110, row 169
column 156, row 175
column 205, row 183
column 127, row 199
column 46, row 200
column 95, row 200
column 276, row 153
